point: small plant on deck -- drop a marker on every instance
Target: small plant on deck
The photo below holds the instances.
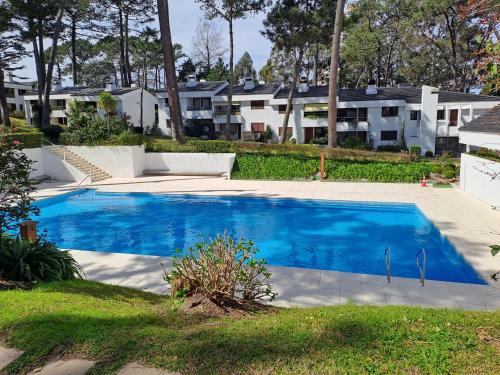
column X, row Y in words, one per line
column 221, row 270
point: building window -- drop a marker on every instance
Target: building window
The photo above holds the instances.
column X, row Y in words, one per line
column 389, row 111
column 257, row 127
column 257, row 104
column 362, row 114
column 9, row 92
column 22, row 92
column 21, row 107
column 440, row 114
column 414, row 115
column 166, row 102
column 282, row 108
column 389, row 135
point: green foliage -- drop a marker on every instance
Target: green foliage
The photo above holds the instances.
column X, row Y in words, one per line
column 449, row 173
column 41, row 261
column 18, row 114
column 271, row 167
column 244, row 67
column 487, row 153
column 389, row 148
column 52, row 132
column 126, row 138
column 223, row 269
column 26, row 140
column 415, row 150
column 436, row 168
column 319, row 141
column 495, row 249
column 15, row 187
column 107, row 103
column 212, row 146
column 429, row 154
column 354, row 142
column 219, row 72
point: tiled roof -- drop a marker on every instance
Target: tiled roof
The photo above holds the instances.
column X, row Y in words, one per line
column 486, row 123
column 92, row 91
column 408, row 94
column 259, row 89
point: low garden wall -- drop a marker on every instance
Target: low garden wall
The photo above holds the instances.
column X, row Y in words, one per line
column 46, row 164
column 481, row 178
column 191, row 163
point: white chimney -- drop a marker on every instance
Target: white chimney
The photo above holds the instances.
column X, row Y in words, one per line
column 10, row 77
column 249, row 83
column 372, row 88
column 303, row 85
column 57, row 86
column 192, row 81
column 203, row 80
column 110, row 87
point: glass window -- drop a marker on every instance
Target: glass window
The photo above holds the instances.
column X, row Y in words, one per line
column 389, row 111
column 257, row 104
column 282, row 108
column 414, row 115
column 440, row 114
column 362, row 114
column 389, row 135
column 257, row 127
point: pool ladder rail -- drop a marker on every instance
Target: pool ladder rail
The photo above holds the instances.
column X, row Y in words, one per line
column 420, row 266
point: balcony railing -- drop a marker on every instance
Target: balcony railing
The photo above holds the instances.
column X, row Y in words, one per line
column 58, row 108
column 200, row 108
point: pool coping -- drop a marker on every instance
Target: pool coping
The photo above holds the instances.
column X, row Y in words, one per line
column 300, row 287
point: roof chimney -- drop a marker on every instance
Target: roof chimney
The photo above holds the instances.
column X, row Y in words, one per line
column 10, row 77
column 372, row 88
column 303, row 85
column 109, row 87
column 191, row 82
column 249, row 83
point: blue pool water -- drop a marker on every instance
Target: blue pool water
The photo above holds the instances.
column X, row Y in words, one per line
column 329, row 235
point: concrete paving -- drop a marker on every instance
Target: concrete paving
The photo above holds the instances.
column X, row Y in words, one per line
column 469, row 224
column 137, row 369
column 7, row 356
column 65, row 367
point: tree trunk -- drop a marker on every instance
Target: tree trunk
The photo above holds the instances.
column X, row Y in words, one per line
column 227, row 130
column 50, row 67
column 291, row 93
column 334, row 76
column 124, row 78
column 73, row 52
column 41, row 84
column 41, row 51
column 127, row 52
column 3, row 101
column 316, row 63
column 169, row 62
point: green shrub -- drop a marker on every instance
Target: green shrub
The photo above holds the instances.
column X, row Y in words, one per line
column 21, row 260
column 319, row 141
column 376, row 171
column 429, row 154
column 355, row 143
column 126, row 138
column 449, row 173
column 221, row 270
column 389, row 148
column 435, row 168
column 415, row 150
column 212, row 146
column 52, row 132
column 17, row 114
column 274, row 167
column 450, row 166
column 27, row 140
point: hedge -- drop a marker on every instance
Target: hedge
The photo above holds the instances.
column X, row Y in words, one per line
column 28, row 140
column 280, row 167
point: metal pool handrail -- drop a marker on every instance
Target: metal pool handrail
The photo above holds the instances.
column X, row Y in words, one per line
column 387, row 258
column 421, row 268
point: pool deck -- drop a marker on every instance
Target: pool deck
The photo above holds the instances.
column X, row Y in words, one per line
column 469, row 224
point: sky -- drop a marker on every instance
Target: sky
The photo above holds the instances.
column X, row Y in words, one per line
column 184, row 16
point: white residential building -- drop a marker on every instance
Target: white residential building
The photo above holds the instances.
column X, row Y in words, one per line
column 128, row 103
column 426, row 117
column 15, row 92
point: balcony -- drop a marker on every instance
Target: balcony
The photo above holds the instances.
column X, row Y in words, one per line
column 199, row 108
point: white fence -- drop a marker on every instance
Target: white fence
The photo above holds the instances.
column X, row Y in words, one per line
column 481, row 178
column 190, row 163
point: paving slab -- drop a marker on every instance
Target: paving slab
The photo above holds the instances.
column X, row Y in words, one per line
column 7, row 356
column 138, row 369
column 65, row 367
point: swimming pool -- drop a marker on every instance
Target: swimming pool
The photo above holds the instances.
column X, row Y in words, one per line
column 328, row 235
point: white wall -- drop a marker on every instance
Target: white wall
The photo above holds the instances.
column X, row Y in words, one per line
column 190, row 163
column 36, row 156
column 118, row 161
column 476, row 178
column 47, row 164
column 131, row 105
column 486, row 140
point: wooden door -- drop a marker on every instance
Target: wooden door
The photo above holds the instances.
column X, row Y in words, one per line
column 309, row 135
column 453, row 117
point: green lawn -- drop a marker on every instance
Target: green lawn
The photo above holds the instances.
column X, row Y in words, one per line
column 117, row 325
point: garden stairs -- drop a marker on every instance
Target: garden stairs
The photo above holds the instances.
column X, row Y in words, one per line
column 95, row 173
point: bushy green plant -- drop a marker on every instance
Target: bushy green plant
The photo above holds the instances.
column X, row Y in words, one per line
column 274, row 167
column 354, row 142
column 389, row 148
column 18, row 114
column 126, row 138
column 26, row 140
column 212, row 146
column 435, row 168
column 429, row 154
column 40, row 261
column 415, row 150
column 319, row 141
column 52, row 132
column 222, row 270
column 449, row 173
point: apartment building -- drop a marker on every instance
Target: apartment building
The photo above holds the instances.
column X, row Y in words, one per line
column 15, row 92
column 128, row 103
column 426, row 116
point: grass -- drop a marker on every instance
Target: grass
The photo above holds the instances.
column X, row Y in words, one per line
column 116, row 325
column 19, row 126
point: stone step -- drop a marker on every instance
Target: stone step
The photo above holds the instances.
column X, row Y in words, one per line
column 7, row 356
column 65, row 367
column 137, row 369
